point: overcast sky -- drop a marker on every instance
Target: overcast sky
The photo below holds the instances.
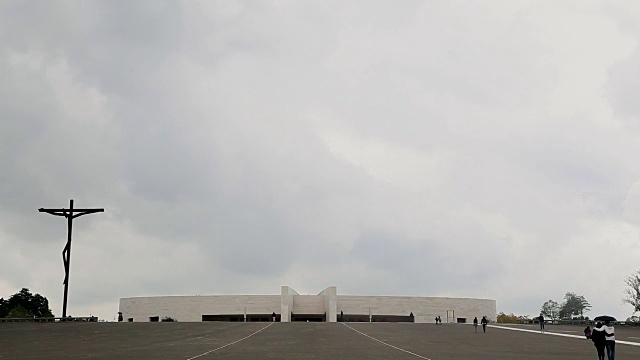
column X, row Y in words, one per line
column 435, row 148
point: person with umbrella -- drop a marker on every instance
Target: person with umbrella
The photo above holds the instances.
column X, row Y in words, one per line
column 599, row 340
column 609, row 335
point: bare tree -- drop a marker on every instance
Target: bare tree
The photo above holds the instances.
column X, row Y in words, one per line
column 550, row 309
column 632, row 293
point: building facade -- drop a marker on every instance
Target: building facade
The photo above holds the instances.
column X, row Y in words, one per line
column 289, row 306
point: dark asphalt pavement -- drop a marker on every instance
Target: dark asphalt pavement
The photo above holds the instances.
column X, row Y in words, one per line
column 221, row 340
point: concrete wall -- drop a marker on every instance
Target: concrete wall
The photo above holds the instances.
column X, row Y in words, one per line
column 308, row 304
column 424, row 309
column 329, row 297
column 286, row 303
column 191, row 308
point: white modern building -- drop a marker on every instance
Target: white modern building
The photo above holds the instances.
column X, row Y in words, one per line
column 290, row 306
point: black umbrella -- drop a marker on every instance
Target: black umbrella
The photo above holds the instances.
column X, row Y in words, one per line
column 604, row 318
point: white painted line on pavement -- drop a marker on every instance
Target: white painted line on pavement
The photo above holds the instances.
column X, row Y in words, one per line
column 384, row 343
column 229, row 344
column 558, row 334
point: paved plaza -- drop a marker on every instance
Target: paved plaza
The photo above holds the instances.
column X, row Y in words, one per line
column 259, row 340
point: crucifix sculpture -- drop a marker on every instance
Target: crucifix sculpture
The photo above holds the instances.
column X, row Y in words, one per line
column 70, row 214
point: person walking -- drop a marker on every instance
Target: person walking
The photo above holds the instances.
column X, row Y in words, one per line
column 475, row 323
column 541, row 320
column 484, row 322
column 599, row 340
column 611, row 340
column 588, row 332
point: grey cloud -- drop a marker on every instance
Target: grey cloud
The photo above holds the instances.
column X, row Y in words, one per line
column 235, row 144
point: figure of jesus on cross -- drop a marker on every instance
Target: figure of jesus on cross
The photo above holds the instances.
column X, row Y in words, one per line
column 70, row 214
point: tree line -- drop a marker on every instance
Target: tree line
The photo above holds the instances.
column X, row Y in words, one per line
column 573, row 307
column 24, row 304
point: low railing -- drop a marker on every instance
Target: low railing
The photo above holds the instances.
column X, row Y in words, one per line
column 52, row 319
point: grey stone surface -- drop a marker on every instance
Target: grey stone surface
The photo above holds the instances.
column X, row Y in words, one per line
column 293, row 341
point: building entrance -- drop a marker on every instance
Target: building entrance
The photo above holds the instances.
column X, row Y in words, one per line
column 240, row 317
column 375, row 318
column 309, row 317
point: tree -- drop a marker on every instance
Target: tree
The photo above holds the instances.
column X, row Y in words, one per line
column 633, row 319
column 550, row 309
column 574, row 305
column 632, row 293
column 18, row 312
column 506, row 319
column 524, row 319
column 4, row 307
column 25, row 304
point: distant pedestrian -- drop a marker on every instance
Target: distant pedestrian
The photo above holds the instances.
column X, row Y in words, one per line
column 273, row 316
column 587, row 331
column 341, row 316
column 611, row 340
column 484, row 322
column 599, row 339
column 541, row 320
column 475, row 323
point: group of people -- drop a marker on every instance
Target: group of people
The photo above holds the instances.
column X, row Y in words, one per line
column 603, row 337
column 484, row 323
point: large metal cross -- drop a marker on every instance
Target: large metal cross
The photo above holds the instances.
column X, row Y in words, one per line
column 70, row 214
